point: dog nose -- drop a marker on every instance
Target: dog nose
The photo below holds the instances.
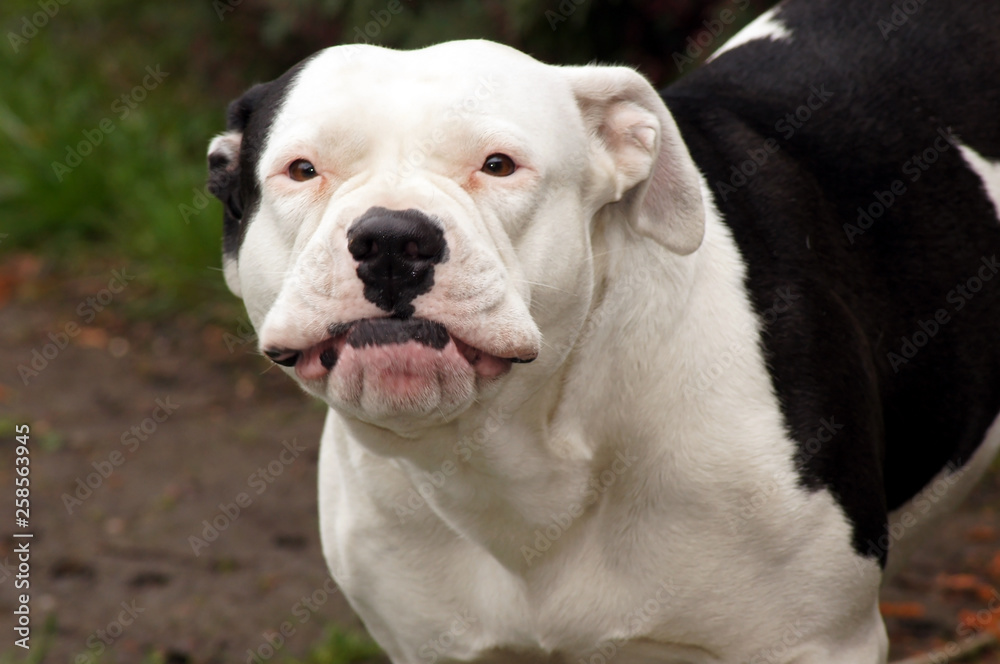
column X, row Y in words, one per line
column 396, row 252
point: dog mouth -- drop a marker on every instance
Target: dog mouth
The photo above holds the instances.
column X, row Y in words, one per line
column 409, row 340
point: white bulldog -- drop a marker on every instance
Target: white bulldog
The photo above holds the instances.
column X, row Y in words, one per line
column 552, row 435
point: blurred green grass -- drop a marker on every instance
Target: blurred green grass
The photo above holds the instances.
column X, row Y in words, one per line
column 138, row 192
column 85, row 173
column 337, row 646
column 93, row 164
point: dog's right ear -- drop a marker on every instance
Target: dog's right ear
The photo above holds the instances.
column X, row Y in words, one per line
column 655, row 181
column 226, row 181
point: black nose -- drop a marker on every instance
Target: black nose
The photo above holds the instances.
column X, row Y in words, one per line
column 396, row 252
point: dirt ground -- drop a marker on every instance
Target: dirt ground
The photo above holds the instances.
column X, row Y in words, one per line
column 117, row 496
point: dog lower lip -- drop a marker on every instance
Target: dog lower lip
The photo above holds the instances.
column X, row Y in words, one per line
column 378, row 331
column 322, row 358
column 382, row 331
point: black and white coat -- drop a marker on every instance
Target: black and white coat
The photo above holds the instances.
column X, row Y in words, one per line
column 761, row 329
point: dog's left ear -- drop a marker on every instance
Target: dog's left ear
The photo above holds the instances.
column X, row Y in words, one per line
column 225, row 181
column 655, row 179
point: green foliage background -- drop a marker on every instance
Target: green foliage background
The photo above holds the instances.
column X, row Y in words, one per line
column 63, row 66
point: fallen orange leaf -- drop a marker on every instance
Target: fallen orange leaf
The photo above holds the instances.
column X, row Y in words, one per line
column 959, row 582
column 967, row 618
column 902, row 609
column 92, row 337
column 983, row 620
column 982, row 533
column 986, row 592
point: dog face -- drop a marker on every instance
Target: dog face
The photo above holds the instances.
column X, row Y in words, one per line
column 407, row 229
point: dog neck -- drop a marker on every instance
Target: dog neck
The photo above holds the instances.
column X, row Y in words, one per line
column 506, row 474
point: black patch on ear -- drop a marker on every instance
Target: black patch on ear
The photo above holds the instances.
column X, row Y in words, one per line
column 224, row 183
column 234, row 180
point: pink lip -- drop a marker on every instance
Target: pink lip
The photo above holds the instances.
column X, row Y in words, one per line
column 319, row 360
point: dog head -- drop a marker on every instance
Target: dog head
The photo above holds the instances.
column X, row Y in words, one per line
column 409, row 229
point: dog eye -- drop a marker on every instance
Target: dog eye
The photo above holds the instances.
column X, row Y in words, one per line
column 301, row 170
column 499, row 165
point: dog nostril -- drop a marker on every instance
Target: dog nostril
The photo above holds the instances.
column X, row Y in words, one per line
column 362, row 248
column 396, row 251
column 386, row 237
column 286, row 358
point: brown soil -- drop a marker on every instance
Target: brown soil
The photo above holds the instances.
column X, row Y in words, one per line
column 128, row 540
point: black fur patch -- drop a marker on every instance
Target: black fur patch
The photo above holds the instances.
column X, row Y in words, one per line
column 235, row 182
column 383, row 331
column 396, row 252
column 792, row 175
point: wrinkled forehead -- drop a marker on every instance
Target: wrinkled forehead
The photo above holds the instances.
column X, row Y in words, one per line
column 407, row 92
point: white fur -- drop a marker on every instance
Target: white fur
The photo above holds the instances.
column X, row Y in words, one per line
column 988, row 171
column 482, row 528
column 765, row 26
column 665, row 522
